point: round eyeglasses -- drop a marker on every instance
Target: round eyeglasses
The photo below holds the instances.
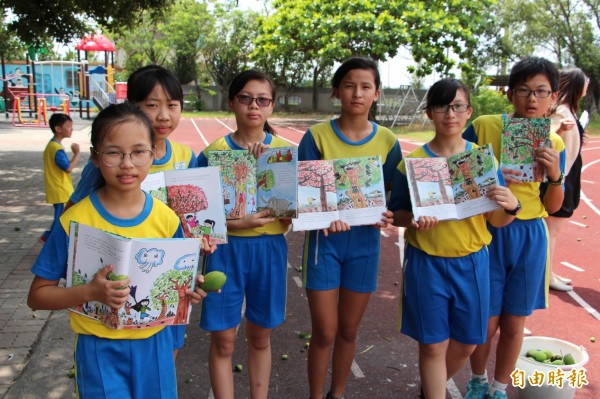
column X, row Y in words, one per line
column 454, row 107
column 115, row 158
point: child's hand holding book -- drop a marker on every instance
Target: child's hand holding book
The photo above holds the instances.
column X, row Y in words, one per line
column 113, row 293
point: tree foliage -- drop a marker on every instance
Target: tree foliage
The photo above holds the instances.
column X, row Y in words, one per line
column 63, row 20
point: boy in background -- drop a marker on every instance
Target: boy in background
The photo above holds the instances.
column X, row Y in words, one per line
column 518, row 251
column 58, row 167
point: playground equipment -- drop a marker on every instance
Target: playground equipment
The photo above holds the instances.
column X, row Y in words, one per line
column 37, row 104
column 404, row 107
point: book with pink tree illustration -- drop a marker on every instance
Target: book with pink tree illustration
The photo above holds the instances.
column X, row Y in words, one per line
column 253, row 185
column 520, row 138
column 350, row 189
column 195, row 196
column 160, row 271
column 452, row 188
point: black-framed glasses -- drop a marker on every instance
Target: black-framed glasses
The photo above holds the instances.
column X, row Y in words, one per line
column 441, row 109
column 539, row 93
column 260, row 101
column 114, row 158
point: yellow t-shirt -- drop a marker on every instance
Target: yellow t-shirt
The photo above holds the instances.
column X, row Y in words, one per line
column 58, row 182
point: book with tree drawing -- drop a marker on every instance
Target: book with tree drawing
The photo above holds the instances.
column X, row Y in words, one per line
column 195, row 196
column 520, row 138
column 350, row 189
column 452, row 188
column 159, row 270
column 252, row 185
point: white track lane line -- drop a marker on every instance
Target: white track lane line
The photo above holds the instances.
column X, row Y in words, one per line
column 584, row 304
column 200, row 132
column 453, row 389
column 289, row 141
column 224, row 124
column 577, row 223
column 297, row 281
column 292, row 128
column 584, row 198
column 356, row 370
column 384, row 234
column 587, row 181
column 576, row 268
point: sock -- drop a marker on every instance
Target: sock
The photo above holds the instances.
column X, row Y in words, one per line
column 481, row 377
column 497, row 386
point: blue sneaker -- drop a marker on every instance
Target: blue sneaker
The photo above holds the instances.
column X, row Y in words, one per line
column 497, row 395
column 476, row 389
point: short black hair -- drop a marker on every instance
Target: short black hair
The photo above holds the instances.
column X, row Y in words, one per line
column 116, row 114
column 356, row 63
column 531, row 66
column 58, row 119
column 143, row 80
column 444, row 91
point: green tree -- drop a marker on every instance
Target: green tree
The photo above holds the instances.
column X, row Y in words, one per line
column 226, row 48
column 332, row 30
column 64, row 20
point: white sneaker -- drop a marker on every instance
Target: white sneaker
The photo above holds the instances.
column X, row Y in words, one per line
column 557, row 285
column 562, row 279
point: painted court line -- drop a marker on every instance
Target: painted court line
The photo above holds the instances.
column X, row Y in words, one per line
column 289, row 141
column 384, row 234
column 453, row 389
column 356, row 370
column 577, row 223
column 584, row 304
column 576, row 268
column 224, row 124
column 292, row 128
column 297, row 281
column 199, row 132
column 584, row 197
column 587, row 181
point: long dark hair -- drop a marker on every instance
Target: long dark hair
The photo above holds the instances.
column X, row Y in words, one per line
column 143, row 80
column 240, row 81
column 356, row 63
column 570, row 89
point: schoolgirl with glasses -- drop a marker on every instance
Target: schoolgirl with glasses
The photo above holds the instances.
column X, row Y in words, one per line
column 445, row 295
column 127, row 362
column 255, row 258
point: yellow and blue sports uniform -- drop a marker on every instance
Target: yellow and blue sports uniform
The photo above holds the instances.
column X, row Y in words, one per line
column 255, row 262
column 446, row 281
column 58, row 181
column 177, row 156
column 122, row 363
column 518, row 251
column 349, row 259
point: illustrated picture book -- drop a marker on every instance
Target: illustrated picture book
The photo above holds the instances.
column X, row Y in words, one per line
column 520, row 138
column 159, row 270
column 452, row 188
column 195, row 196
column 252, row 185
column 350, row 189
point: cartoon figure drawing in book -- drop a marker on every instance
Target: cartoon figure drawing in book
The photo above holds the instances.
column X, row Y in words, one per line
column 468, row 184
column 149, row 258
column 192, row 221
column 186, row 262
column 207, row 228
column 143, row 306
column 185, row 199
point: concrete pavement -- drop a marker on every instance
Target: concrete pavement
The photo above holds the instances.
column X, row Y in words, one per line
column 35, row 346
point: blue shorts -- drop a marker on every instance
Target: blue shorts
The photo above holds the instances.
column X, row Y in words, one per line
column 445, row 297
column 349, row 260
column 517, row 267
column 178, row 333
column 125, row 368
column 256, row 268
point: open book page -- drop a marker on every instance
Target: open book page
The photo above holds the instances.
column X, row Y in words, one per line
column 238, row 179
column 154, row 184
column 452, row 188
column 317, row 198
column 360, row 190
column 159, row 271
column 277, row 182
column 520, row 138
column 195, row 196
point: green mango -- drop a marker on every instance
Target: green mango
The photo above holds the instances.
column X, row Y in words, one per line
column 549, row 354
column 540, row 356
column 532, row 352
column 556, row 357
column 213, row 281
column 558, row 362
column 568, row 359
column 116, row 277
